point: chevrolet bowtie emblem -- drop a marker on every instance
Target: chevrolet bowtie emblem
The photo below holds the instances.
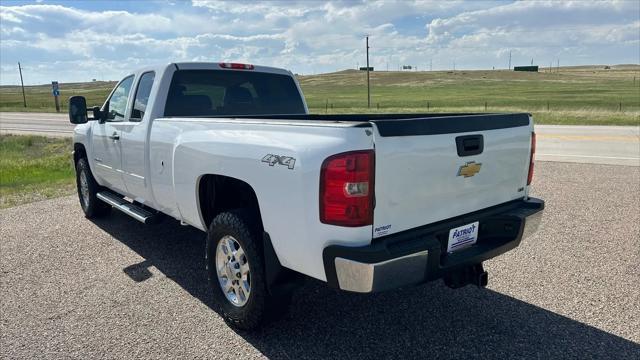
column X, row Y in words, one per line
column 469, row 169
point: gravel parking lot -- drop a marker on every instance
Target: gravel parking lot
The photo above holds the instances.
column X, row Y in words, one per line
column 72, row 288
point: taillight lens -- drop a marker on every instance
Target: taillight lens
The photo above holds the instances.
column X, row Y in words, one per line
column 533, row 153
column 346, row 189
column 236, row 66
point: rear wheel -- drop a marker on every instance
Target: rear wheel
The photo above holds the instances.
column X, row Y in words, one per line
column 233, row 271
column 236, row 271
column 87, row 190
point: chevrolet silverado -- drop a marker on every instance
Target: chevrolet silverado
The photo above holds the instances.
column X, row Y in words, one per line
column 365, row 203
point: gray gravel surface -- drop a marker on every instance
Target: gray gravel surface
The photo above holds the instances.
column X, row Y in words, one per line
column 113, row 288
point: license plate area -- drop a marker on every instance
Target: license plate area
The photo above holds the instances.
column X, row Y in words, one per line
column 462, row 237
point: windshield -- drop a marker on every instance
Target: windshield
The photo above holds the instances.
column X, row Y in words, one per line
column 223, row 92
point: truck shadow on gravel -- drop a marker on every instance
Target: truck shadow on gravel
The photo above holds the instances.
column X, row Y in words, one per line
column 428, row 321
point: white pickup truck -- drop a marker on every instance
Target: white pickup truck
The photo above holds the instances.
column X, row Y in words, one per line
column 363, row 202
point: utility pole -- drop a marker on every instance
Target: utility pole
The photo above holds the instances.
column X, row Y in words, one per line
column 454, row 65
column 558, row 68
column 430, row 64
column 24, row 98
column 509, row 59
column 368, row 84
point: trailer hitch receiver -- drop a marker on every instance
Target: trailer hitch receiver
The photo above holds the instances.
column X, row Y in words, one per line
column 473, row 274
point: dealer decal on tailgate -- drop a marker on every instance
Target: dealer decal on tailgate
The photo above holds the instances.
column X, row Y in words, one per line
column 381, row 230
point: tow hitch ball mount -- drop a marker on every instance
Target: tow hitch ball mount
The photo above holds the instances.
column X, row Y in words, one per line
column 473, row 274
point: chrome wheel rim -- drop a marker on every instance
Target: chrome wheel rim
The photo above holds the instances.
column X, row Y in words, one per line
column 84, row 189
column 233, row 272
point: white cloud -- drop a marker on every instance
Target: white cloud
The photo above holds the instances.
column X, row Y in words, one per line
column 314, row 36
column 58, row 19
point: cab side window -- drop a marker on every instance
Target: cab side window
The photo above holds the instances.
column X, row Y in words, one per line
column 142, row 96
column 118, row 100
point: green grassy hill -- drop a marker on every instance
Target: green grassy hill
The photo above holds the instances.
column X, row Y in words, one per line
column 572, row 95
column 584, row 95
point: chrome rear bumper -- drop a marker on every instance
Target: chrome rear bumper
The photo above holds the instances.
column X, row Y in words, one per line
column 419, row 255
column 362, row 277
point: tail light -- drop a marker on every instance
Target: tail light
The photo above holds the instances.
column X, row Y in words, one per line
column 533, row 153
column 346, row 189
column 236, row 66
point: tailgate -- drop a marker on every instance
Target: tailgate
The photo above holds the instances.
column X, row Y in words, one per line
column 432, row 169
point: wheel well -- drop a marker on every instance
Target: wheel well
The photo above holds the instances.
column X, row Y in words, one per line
column 79, row 152
column 218, row 193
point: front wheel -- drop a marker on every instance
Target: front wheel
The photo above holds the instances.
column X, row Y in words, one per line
column 88, row 190
column 236, row 270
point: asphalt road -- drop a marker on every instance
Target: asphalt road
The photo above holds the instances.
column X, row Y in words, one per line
column 114, row 288
column 615, row 145
column 48, row 124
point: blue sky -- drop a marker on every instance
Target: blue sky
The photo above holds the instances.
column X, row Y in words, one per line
column 81, row 40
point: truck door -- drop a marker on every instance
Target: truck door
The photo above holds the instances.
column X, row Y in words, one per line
column 106, row 145
column 134, row 139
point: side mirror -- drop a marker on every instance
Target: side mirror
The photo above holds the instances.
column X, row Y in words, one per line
column 78, row 110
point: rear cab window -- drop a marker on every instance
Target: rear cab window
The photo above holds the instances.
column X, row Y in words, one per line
column 224, row 92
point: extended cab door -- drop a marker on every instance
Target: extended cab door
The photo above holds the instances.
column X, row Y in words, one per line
column 134, row 138
column 106, row 145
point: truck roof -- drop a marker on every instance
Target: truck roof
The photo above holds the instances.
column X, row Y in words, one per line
column 192, row 65
column 216, row 66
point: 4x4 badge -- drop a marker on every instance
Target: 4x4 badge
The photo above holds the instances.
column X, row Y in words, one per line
column 287, row 161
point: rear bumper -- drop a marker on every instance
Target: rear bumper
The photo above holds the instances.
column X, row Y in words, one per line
column 419, row 255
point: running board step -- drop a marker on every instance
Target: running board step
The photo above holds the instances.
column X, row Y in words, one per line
column 135, row 211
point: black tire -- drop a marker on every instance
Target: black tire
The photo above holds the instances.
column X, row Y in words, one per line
column 91, row 205
column 238, row 224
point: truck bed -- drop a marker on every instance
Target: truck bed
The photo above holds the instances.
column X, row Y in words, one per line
column 409, row 124
column 419, row 161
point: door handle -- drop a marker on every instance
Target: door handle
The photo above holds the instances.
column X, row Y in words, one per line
column 114, row 136
column 470, row 145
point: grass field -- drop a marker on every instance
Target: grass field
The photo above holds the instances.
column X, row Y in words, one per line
column 573, row 95
column 34, row 168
